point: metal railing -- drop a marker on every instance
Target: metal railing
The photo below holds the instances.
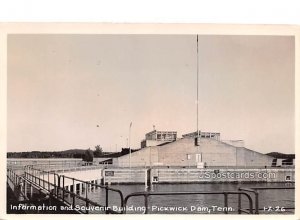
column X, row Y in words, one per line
column 16, row 183
column 69, row 168
column 81, row 168
column 254, row 190
column 57, row 188
column 19, row 186
column 146, row 196
column 88, row 185
column 55, row 185
column 42, row 177
column 20, row 164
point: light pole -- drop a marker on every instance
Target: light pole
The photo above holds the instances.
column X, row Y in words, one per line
column 120, row 142
column 197, row 92
column 129, row 145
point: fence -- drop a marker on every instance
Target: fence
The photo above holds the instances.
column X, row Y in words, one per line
column 43, row 163
column 146, row 196
column 86, row 186
column 55, row 185
column 16, row 183
column 255, row 191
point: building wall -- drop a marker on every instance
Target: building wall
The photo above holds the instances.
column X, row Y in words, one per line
column 246, row 157
column 236, row 143
column 175, row 153
column 216, row 153
column 150, row 143
column 213, row 153
column 141, row 158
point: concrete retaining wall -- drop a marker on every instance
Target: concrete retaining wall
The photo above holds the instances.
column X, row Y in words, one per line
column 131, row 176
column 180, row 175
column 165, row 175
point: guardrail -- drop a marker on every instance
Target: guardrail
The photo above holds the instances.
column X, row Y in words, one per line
column 255, row 190
column 88, row 185
column 69, row 168
column 34, row 175
column 15, row 182
column 57, row 188
column 55, row 185
column 146, row 196
column 35, row 195
column 16, row 164
column 81, row 168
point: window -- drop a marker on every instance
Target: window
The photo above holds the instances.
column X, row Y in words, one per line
column 158, row 136
column 198, row 158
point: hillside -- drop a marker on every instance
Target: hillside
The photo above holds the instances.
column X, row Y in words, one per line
column 281, row 155
column 72, row 153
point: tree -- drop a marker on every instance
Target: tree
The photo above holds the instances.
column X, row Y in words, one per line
column 98, row 151
column 78, row 155
column 88, row 155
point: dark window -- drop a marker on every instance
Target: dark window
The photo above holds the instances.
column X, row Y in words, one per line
column 159, row 136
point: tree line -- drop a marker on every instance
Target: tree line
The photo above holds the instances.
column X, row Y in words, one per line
column 85, row 154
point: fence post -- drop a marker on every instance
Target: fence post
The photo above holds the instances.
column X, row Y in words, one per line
column 73, row 199
column 31, row 191
column 54, row 181
column 25, row 188
column 146, row 203
column 85, row 188
column 106, row 199
column 48, row 182
column 239, row 202
column 251, row 205
column 256, row 203
column 64, row 188
column 226, row 202
column 58, row 186
column 43, row 179
column 86, row 196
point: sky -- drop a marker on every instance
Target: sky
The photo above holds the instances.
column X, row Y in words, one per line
column 79, row 91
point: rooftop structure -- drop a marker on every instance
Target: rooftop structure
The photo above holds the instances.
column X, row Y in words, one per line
column 212, row 135
column 155, row 138
column 161, row 135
